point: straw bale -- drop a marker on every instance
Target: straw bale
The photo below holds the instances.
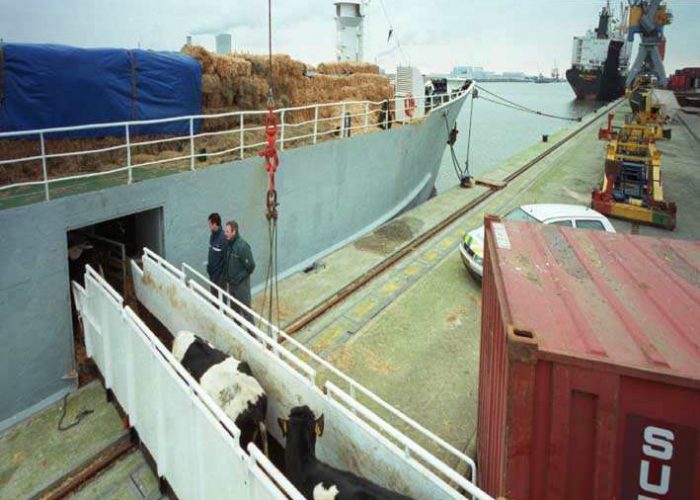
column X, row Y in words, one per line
column 282, row 65
column 230, row 67
column 251, row 93
column 347, row 68
column 215, row 100
column 240, row 81
column 138, row 159
column 205, row 58
column 210, row 84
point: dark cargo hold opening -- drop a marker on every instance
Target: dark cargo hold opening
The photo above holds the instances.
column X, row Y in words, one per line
column 107, row 246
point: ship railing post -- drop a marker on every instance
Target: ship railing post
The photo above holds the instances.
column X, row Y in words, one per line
column 366, row 115
column 354, row 397
column 386, row 115
column 44, row 168
column 315, row 122
column 282, row 131
column 191, row 143
column 241, row 133
column 130, row 178
column 396, row 110
column 342, row 121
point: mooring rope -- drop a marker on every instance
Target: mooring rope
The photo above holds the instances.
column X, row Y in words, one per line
column 519, row 107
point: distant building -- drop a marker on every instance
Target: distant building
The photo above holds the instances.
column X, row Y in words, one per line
column 474, row 72
column 223, row 43
column 513, row 74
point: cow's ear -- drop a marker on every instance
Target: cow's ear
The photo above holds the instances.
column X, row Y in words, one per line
column 283, row 425
column 319, row 426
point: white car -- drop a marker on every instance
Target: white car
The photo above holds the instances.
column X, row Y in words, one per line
column 472, row 248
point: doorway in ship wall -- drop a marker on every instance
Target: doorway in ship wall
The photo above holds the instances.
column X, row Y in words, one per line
column 107, row 247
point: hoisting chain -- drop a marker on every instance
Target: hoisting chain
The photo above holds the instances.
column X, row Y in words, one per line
column 272, row 161
column 271, row 158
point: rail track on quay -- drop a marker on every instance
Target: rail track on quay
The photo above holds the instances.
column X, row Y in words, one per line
column 317, row 311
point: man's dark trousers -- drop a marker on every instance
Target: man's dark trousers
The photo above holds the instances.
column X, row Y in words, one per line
column 241, row 292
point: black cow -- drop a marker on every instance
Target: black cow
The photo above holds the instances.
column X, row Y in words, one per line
column 314, row 479
column 229, row 382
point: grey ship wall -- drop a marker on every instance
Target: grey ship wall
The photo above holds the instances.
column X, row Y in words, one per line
column 328, row 193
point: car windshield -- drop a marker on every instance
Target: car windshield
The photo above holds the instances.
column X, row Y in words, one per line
column 520, row 214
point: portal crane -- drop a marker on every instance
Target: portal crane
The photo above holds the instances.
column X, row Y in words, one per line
column 648, row 18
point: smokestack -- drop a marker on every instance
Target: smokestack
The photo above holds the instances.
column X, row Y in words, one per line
column 223, row 43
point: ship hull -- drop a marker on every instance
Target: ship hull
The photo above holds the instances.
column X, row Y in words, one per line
column 605, row 84
column 585, row 84
column 328, row 194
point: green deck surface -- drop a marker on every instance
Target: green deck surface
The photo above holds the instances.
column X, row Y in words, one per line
column 35, row 454
column 129, row 478
column 412, row 335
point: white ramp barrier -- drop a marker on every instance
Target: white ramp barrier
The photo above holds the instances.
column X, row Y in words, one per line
column 355, row 438
column 194, row 444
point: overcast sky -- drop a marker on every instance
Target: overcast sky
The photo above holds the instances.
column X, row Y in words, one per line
column 500, row 35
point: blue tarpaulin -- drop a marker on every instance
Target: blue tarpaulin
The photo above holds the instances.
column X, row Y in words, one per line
column 46, row 86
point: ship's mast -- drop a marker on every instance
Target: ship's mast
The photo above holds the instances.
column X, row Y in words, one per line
column 349, row 21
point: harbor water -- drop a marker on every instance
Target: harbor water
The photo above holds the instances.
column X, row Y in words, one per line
column 499, row 132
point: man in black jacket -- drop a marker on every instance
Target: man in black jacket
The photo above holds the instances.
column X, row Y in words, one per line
column 238, row 267
column 217, row 252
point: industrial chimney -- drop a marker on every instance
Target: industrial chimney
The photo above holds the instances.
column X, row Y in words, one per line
column 223, row 43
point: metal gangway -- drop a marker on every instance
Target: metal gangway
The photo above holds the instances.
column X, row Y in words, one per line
column 194, row 444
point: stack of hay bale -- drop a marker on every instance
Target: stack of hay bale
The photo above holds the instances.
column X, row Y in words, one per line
column 234, row 82
column 347, row 68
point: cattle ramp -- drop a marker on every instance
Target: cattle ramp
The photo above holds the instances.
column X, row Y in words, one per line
column 195, row 446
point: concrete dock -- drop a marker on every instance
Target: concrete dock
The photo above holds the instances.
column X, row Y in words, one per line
column 411, row 334
column 409, row 330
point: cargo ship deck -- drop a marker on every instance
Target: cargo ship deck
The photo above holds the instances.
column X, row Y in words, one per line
column 396, row 310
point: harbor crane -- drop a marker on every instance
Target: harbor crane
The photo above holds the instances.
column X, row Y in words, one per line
column 648, row 18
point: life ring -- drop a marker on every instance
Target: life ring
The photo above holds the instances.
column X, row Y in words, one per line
column 409, row 105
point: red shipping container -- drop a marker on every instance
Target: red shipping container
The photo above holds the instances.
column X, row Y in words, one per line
column 590, row 365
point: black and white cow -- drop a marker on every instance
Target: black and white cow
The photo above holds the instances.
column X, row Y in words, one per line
column 314, row 479
column 229, row 382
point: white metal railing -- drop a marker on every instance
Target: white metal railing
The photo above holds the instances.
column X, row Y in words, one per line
column 194, row 443
column 362, row 114
column 353, row 386
column 270, row 335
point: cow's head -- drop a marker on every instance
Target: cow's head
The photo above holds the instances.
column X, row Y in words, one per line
column 302, row 423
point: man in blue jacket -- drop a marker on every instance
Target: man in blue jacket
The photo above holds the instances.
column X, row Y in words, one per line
column 217, row 252
column 238, row 267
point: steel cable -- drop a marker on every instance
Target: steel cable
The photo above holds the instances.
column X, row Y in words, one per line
column 519, row 107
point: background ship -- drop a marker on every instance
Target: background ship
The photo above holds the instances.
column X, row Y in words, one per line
column 600, row 59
